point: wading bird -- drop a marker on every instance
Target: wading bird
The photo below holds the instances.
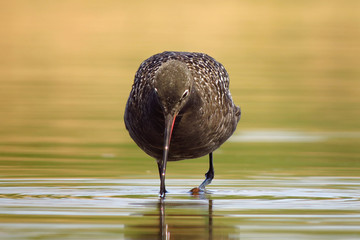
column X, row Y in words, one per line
column 180, row 107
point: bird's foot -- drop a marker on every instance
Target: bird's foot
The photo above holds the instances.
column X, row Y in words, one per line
column 162, row 194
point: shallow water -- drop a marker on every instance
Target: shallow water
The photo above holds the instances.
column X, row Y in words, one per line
column 255, row 208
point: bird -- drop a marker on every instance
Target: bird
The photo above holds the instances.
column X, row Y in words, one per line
column 180, row 107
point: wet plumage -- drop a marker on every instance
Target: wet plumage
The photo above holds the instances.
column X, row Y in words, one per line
column 189, row 93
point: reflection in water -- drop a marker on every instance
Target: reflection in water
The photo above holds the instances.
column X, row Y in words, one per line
column 163, row 227
column 165, row 232
column 177, row 219
column 272, row 208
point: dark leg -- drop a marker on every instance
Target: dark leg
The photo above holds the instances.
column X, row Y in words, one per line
column 209, row 175
column 162, row 178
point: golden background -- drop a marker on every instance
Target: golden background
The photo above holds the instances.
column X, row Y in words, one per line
column 66, row 69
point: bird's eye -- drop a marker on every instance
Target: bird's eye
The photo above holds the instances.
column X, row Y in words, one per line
column 185, row 94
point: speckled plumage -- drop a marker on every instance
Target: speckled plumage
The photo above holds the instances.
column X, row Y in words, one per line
column 206, row 121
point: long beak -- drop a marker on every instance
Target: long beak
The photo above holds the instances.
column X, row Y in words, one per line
column 169, row 125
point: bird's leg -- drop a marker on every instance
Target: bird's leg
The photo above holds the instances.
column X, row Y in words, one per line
column 209, row 176
column 162, row 177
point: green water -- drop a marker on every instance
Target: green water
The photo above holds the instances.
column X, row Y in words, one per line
column 69, row 170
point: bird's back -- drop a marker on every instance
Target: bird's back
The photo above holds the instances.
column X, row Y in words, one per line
column 207, row 120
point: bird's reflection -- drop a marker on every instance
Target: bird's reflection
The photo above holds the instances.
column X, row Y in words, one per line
column 169, row 229
column 163, row 226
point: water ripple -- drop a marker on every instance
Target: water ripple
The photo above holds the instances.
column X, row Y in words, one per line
column 260, row 204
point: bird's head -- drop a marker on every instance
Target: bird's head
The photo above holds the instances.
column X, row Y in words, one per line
column 172, row 85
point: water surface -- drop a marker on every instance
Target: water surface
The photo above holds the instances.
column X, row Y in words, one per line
column 258, row 207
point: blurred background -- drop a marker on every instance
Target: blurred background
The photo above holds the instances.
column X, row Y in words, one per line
column 66, row 69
